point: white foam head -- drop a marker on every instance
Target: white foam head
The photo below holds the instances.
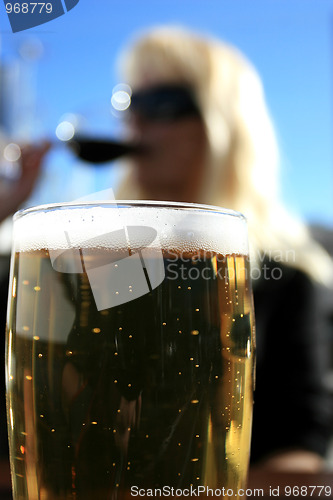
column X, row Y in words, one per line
column 181, row 227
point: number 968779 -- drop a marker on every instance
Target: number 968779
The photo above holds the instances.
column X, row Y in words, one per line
column 28, row 8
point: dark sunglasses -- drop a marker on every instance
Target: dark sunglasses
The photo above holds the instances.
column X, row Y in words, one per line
column 164, row 103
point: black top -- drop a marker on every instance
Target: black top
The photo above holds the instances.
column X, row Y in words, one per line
column 293, row 404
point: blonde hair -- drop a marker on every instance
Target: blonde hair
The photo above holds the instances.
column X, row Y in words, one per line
column 242, row 157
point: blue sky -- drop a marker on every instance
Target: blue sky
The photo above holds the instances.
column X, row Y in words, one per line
column 289, row 42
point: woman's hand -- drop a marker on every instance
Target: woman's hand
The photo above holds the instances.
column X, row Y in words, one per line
column 292, row 461
column 31, row 161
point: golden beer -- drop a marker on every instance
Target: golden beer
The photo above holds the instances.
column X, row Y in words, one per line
column 144, row 396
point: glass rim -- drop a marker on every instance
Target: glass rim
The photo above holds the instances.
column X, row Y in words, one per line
column 195, row 207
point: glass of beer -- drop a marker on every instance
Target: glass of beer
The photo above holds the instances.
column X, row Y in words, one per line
column 130, row 351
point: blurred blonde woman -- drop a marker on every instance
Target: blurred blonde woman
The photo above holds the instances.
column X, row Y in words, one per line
column 198, row 110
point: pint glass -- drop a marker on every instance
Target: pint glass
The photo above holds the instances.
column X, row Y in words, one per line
column 130, row 343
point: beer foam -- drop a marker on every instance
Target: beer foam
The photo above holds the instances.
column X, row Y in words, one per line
column 181, row 228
